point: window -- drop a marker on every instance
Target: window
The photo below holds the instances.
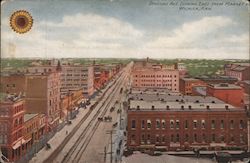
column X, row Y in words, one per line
column 132, row 139
column 177, row 124
column 148, row 124
column 232, row 124
column 195, row 137
column 203, row 124
column 171, row 124
column 213, row 137
column 186, row 124
column 163, row 124
column 195, row 124
column 222, row 124
column 186, row 138
column 163, row 138
column 142, row 124
column 213, row 124
column 241, row 124
column 172, row 138
column 177, row 137
column 148, row 139
column 241, row 138
column 158, row 124
column 133, row 125
column 142, row 139
column 222, row 138
column 204, row 138
column 232, row 138
column 157, row 139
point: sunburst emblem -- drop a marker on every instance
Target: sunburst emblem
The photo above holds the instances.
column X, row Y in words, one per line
column 21, row 21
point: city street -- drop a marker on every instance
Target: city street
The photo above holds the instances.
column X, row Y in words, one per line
column 75, row 149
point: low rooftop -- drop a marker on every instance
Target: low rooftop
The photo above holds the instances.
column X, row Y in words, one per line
column 176, row 106
column 224, row 86
column 174, row 98
column 10, row 97
column 189, row 79
column 153, row 91
column 29, row 116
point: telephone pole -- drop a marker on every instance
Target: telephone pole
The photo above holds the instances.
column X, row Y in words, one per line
column 111, row 144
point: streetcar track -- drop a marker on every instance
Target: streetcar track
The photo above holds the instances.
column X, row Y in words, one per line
column 75, row 129
column 85, row 132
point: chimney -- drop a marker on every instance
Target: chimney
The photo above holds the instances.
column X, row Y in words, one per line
column 226, row 106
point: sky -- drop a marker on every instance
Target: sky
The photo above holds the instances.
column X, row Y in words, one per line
column 127, row 29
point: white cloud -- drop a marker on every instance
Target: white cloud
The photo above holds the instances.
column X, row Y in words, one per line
column 95, row 34
column 100, row 36
column 190, row 33
column 204, row 38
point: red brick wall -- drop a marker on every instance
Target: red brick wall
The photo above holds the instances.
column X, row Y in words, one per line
column 231, row 96
column 182, row 116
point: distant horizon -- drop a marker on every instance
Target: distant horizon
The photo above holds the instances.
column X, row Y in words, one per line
column 35, row 58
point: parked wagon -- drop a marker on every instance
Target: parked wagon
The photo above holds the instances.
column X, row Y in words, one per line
column 108, row 118
column 112, row 109
column 115, row 124
column 100, row 118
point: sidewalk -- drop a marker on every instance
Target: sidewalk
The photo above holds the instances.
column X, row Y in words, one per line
column 60, row 136
column 57, row 139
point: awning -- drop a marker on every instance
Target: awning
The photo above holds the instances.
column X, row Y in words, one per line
column 18, row 144
column 25, row 141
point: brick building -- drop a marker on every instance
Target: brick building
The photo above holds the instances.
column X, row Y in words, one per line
column 218, row 79
column 101, row 76
column 241, row 71
column 12, row 109
column 159, row 123
column 41, row 90
column 44, row 99
column 184, row 129
column 182, row 69
column 13, row 83
column 146, row 74
column 229, row 93
column 74, row 77
column 70, row 102
column 187, row 84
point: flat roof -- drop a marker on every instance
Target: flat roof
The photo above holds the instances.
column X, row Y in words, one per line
column 177, row 106
column 174, row 98
column 225, row 86
column 189, row 79
column 29, row 116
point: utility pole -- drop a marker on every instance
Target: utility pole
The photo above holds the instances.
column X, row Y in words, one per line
column 111, row 144
column 120, row 116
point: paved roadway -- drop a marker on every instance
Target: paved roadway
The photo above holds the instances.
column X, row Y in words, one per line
column 87, row 145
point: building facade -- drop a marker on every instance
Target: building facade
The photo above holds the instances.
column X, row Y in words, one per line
column 149, row 75
column 174, row 126
column 187, row 84
column 12, row 111
column 228, row 93
column 74, row 77
column 44, row 99
column 241, row 71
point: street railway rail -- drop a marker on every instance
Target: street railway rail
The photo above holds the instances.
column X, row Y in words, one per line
column 84, row 144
